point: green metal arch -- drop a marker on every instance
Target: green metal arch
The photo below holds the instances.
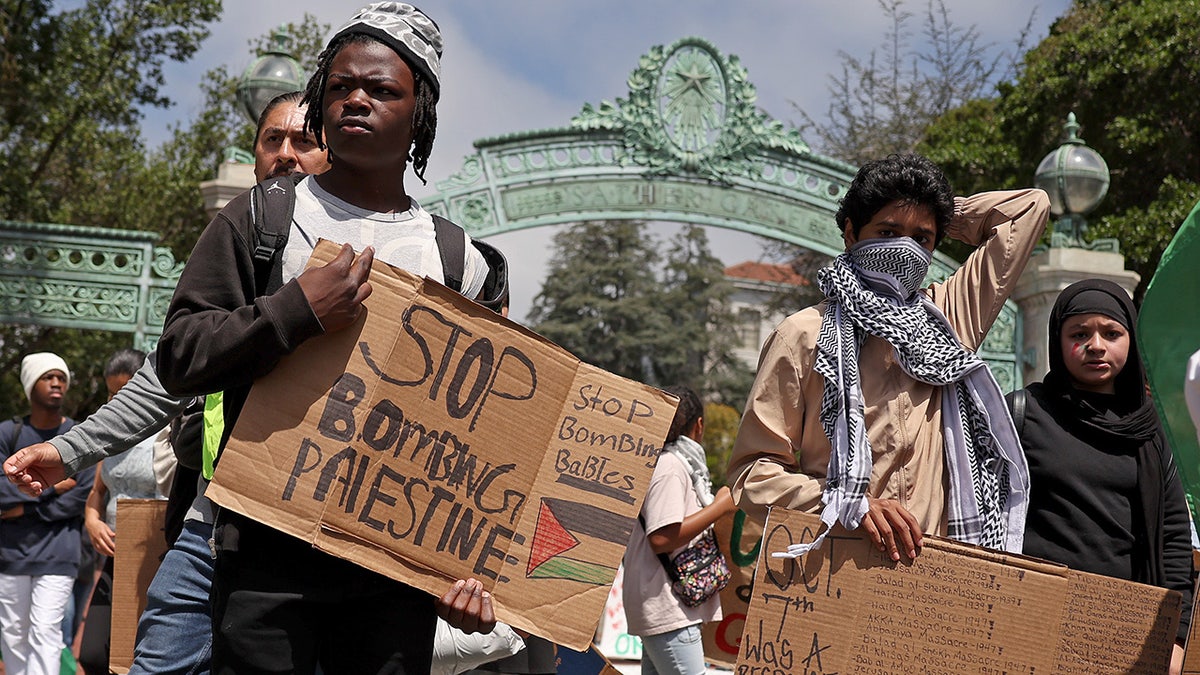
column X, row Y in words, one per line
column 712, row 158
column 688, row 144
column 85, row 277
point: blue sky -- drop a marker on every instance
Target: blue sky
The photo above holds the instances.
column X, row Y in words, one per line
column 513, row 65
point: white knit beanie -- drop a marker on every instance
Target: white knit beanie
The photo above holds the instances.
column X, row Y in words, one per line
column 34, row 366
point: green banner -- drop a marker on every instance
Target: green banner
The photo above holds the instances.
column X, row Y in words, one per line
column 1168, row 333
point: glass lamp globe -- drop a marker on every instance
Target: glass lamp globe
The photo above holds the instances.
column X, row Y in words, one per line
column 270, row 75
column 1074, row 176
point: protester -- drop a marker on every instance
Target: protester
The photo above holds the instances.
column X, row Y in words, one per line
column 281, row 145
column 853, row 399
column 129, row 475
column 678, row 508
column 280, row 605
column 1105, row 492
column 39, row 535
column 175, row 632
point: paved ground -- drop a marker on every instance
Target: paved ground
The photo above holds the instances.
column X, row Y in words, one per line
column 635, row 668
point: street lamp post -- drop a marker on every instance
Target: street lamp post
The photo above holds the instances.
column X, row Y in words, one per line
column 1076, row 179
column 273, row 73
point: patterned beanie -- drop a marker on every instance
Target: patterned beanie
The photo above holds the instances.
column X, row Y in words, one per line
column 405, row 29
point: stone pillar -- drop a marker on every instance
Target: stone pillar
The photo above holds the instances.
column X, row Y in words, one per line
column 1047, row 274
column 233, row 178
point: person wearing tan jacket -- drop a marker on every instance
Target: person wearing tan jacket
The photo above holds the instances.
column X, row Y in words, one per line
column 849, row 415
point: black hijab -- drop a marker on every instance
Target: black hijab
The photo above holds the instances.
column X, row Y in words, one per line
column 1125, row 419
column 1130, row 414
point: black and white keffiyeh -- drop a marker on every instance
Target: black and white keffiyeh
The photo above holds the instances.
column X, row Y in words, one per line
column 872, row 289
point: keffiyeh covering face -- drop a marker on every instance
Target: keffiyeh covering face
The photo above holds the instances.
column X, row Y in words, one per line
column 872, row 289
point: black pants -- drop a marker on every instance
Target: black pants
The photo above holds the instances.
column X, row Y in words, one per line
column 281, row 606
column 94, row 647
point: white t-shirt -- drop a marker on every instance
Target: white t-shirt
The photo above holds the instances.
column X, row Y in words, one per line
column 406, row 240
column 650, row 606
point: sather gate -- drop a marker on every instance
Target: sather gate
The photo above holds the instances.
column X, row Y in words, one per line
column 687, row 144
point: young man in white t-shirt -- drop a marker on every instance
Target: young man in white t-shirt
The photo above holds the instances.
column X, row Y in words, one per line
column 280, row 605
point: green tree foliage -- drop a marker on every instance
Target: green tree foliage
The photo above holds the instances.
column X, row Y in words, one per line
column 721, row 424
column 609, row 298
column 695, row 297
column 1129, row 72
column 71, row 83
column 599, row 297
column 74, row 80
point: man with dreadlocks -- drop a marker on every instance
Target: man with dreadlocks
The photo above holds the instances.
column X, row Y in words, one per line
column 279, row 605
column 871, row 407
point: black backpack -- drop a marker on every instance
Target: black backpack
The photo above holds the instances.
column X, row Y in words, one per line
column 273, row 201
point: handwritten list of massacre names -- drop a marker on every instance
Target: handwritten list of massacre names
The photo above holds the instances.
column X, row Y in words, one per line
column 846, row 609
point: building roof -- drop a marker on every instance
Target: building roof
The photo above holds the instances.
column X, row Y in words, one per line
column 768, row 272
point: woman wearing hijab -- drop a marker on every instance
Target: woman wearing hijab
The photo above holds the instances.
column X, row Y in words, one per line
column 1105, row 495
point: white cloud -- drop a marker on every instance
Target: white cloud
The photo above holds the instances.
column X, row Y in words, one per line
column 531, row 64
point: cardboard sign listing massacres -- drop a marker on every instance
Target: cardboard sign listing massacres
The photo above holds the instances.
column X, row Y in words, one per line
column 434, row 440
column 955, row 609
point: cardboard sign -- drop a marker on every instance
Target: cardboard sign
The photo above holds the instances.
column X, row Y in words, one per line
column 434, row 440
column 957, row 608
column 141, row 546
column 590, row 662
column 740, row 539
column 1191, row 657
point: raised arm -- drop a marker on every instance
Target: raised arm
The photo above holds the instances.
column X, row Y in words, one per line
column 1005, row 226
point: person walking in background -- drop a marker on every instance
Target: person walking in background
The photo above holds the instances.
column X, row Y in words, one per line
column 39, row 536
column 678, row 508
column 871, row 408
column 175, row 632
column 129, row 475
column 1105, row 495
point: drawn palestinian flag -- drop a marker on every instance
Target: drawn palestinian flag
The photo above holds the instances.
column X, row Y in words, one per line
column 562, row 536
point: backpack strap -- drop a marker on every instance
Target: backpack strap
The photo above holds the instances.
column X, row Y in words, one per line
column 1018, row 411
column 452, row 246
column 18, row 423
column 272, row 203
